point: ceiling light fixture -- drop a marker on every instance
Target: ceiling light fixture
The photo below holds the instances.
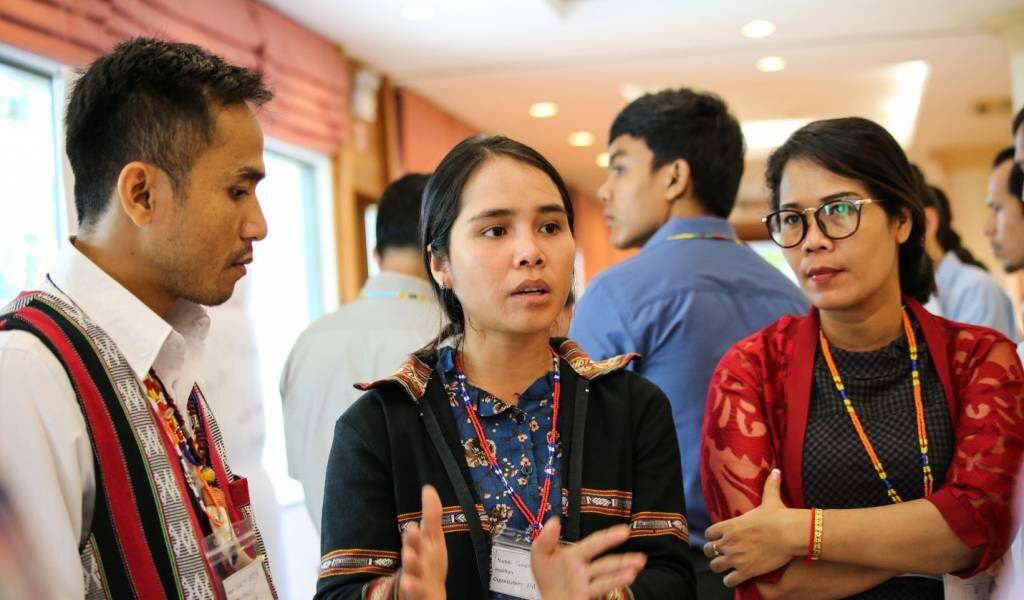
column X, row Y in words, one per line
column 758, row 29
column 602, row 160
column 769, row 134
column 417, row 11
column 771, row 64
column 543, row 110
column 581, row 139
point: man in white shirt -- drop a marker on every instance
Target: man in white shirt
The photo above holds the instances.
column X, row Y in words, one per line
column 107, row 447
column 395, row 315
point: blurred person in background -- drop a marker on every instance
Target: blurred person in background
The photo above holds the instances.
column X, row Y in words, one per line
column 675, row 162
column 965, row 291
column 395, row 314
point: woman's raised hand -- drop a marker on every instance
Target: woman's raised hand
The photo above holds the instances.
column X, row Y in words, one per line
column 575, row 572
column 424, row 554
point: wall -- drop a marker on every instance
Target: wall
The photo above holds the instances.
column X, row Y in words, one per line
column 426, row 133
column 307, row 72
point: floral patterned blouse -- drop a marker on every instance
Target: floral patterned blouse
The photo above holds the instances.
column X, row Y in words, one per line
column 517, row 434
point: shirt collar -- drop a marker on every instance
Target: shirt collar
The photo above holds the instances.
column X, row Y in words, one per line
column 945, row 271
column 490, row 406
column 677, row 225
column 137, row 331
column 390, row 281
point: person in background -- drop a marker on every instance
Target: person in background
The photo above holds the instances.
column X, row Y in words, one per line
column 394, row 315
column 108, row 449
column 495, row 427
column 899, row 434
column 676, row 158
column 965, row 291
column 1004, row 226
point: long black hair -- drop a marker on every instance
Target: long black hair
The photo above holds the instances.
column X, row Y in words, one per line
column 442, row 203
column 864, row 151
column 947, row 237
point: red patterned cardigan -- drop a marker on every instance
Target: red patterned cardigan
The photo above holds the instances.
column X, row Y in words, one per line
column 756, row 417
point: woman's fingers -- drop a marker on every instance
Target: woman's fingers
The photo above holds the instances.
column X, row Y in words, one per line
column 431, row 503
column 599, row 587
column 721, row 564
column 735, row 578
column 547, row 542
column 614, row 563
column 600, row 542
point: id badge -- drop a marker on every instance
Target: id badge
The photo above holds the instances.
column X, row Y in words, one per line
column 511, row 575
column 234, row 564
column 978, row 587
column 250, row 582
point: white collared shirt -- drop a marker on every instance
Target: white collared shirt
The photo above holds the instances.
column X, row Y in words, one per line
column 365, row 340
column 46, row 462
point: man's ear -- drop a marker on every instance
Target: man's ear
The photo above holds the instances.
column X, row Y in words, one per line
column 679, row 179
column 136, row 192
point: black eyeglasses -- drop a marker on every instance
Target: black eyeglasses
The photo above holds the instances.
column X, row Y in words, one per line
column 837, row 219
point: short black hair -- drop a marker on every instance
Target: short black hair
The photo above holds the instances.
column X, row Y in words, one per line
column 398, row 213
column 696, row 127
column 147, row 100
column 1018, row 121
column 1016, row 181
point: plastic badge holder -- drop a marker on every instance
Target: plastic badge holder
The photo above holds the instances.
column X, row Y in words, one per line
column 236, row 567
column 511, row 575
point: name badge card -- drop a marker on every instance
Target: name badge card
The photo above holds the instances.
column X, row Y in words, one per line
column 511, row 576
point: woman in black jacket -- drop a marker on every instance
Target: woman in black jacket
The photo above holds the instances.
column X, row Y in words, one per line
column 493, row 431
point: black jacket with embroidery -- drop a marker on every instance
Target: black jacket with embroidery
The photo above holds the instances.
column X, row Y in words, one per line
column 620, row 464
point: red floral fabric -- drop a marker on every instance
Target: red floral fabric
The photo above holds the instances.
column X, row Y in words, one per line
column 756, row 415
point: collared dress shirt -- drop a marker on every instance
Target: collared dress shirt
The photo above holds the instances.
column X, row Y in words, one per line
column 968, row 294
column 365, row 340
column 681, row 304
column 46, row 461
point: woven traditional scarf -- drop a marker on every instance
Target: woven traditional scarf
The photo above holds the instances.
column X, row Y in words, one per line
column 144, row 540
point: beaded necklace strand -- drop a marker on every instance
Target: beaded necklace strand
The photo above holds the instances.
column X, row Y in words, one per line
column 922, row 431
column 193, row 452
column 536, row 521
column 704, row 236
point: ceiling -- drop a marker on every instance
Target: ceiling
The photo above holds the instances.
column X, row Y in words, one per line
column 486, row 61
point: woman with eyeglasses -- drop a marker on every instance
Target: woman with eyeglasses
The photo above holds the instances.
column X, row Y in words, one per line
column 867, row 448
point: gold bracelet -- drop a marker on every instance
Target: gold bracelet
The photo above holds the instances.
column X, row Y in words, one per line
column 819, row 517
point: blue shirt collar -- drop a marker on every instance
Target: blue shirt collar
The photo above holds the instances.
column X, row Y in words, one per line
column 677, row 225
column 490, row 406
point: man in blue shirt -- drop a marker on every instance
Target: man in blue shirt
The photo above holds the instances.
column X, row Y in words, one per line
column 675, row 162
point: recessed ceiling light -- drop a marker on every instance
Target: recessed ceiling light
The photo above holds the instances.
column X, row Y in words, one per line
column 543, row 110
column 769, row 134
column 769, row 64
column 417, row 11
column 602, row 160
column 581, row 139
column 758, row 29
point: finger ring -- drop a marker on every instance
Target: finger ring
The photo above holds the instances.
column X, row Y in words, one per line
column 715, row 550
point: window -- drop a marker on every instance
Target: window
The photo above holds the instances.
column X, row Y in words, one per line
column 293, row 281
column 30, row 169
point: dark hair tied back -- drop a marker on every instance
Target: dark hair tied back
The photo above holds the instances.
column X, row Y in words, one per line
column 442, row 203
column 862, row 150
